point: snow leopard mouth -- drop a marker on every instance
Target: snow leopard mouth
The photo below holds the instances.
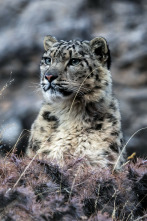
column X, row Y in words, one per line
column 56, row 88
column 46, row 87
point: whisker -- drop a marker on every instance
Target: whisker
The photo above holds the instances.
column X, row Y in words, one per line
column 34, row 83
column 37, row 90
column 34, row 86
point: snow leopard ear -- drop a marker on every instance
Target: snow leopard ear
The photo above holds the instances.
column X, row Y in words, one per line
column 100, row 48
column 49, row 41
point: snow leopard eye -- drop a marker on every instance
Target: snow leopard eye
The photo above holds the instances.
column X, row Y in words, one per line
column 47, row 60
column 74, row 61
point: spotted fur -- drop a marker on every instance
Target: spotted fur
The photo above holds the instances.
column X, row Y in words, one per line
column 80, row 117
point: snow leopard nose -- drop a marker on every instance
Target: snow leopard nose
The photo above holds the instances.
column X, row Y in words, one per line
column 50, row 77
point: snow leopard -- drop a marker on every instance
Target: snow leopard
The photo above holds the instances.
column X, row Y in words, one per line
column 79, row 117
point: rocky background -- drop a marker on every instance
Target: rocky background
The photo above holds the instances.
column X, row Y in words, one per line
column 23, row 25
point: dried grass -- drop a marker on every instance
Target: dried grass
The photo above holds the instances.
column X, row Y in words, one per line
column 47, row 192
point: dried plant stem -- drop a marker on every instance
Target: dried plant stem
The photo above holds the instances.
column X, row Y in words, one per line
column 24, row 171
column 19, row 138
column 114, row 195
column 6, row 86
column 73, row 183
column 141, row 218
column 136, row 206
column 79, row 90
column 27, row 167
column 144, row 128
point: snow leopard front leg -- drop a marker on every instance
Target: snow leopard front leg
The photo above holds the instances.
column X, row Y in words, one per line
column 41, row 130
